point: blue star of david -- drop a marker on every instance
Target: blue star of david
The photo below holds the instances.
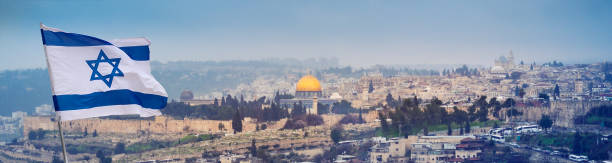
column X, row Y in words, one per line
column 96, row 75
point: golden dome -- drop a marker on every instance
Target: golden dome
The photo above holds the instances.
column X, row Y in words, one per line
column 308, row 83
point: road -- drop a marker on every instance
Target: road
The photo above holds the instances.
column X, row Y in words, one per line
column 539, row 156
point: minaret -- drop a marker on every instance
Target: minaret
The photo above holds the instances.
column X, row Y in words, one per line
column 315, row 103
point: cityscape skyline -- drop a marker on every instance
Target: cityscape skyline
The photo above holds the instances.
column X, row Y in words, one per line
column 357, row 33
column 419, row 81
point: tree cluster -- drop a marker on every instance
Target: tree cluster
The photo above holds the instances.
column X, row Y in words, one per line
column 410, row 117
column 351, row 119
column 302, row 121
column 336, row 133
column 37, row 134
column 545, row 122
column 599, row 115
column 103, row 157
column 588, row 144
column 462, row 71
column 554, row 64
column 343, row 107
column 227, row 107
column 237, row 122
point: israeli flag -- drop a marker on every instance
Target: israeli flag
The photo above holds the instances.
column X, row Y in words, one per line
column 91, row 77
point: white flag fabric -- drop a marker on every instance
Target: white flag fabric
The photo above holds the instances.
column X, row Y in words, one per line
column 91, row 77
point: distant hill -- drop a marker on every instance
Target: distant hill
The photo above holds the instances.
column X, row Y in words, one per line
column 25, row 89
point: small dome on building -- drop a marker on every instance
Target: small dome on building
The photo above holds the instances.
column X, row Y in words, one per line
column 308, row 83
column 186, row 95
column 335, row 96
column 498, row 69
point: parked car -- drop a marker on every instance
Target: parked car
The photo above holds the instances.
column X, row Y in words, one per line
column 556, row 153
column 537, row 149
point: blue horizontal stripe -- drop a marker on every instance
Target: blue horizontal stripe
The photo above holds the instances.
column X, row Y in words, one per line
column 69, row 39
column 138, row 53
column 113, row 97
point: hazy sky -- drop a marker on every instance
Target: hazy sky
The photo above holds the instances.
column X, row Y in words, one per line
column 356, row 32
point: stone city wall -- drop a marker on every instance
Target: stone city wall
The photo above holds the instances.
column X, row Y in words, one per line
column 160, row 124
column 562, row 112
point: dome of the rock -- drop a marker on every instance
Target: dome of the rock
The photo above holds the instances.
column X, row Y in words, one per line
column 308, row 83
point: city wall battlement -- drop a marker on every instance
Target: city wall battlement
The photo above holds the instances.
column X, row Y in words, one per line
column 159, row 124
column 563, row 113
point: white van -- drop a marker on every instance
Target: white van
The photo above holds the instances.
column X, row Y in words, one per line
column 498, row 138
column 578, row 158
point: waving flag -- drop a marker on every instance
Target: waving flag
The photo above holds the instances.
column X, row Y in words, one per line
column 91, row 77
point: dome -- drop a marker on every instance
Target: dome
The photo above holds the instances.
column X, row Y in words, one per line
column 308, row 83
column 335, row 96
column 498, row 69
column 186, row 95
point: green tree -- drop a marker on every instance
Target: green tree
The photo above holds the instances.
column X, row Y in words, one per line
column 313, row 120
column 545, row 122
column 460, row 118
column 85, row 132
column 221, row 127
column 57, row 160
column 513, row 113
column 577, row 147
column 37, row 134
column 360, row 116
column 322, row 108
column 371, row 87
column 448, row 120
column 509, row 103
column 482, row 114
column 95, row 133
column 102, row 156
column 119, row 148
column 383, row 123
column 483, row 109
column 262, row 154
column 557, row 92
column 390, row 100
column 471, row 114
column 253, row 148
column 336, row 133
column 467, row 127
column 237, row 122
column 433, row 115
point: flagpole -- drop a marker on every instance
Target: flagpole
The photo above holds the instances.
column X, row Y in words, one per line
column 59, row 125
column 59, row 119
